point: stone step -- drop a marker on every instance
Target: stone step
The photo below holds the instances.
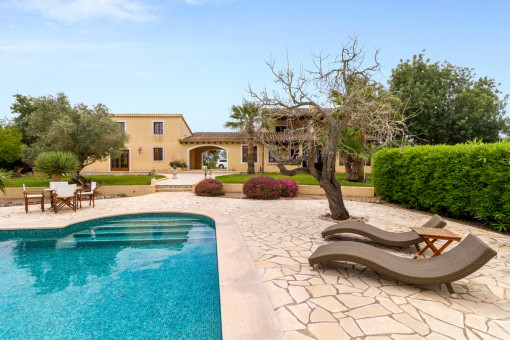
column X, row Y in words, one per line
column 173, row 188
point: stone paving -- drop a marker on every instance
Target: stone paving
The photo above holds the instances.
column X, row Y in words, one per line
column 342, row 300
column 189, row 177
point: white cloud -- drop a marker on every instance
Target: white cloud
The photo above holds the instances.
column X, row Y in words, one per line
column 79, row 10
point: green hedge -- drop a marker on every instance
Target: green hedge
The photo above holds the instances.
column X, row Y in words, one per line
column 464, row 181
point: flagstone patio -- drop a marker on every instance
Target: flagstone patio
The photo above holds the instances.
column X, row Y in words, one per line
column 342, row 300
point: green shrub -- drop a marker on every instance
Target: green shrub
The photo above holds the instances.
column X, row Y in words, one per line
column 463, row 181
column 178, row 164
column 55, row 164
column 4, row 176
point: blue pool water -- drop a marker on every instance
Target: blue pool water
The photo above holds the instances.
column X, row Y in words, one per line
column 145, row 276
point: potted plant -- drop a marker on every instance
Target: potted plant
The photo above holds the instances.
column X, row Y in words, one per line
column 55, row 164
column 178, row 164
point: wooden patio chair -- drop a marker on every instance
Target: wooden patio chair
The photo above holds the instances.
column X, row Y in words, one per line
column 64, row 195
column 90, row 194
column 53, row 185
column 33, row 197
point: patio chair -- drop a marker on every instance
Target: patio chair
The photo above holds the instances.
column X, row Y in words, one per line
column 33, row 197
column 53, row 185
column 91, row 194
column 467, row 257
column 64, row 195
column 389, row 238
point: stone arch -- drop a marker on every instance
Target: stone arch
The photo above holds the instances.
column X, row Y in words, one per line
column 195, row 155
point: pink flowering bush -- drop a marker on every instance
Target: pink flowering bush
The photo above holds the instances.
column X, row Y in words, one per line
column 289, row 187
column 263, row 188
column 209, row 187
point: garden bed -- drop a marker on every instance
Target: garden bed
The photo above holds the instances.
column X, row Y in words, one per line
column 301, row 179
column 103, row 180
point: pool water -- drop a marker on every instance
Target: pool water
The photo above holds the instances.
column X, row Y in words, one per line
column 149, row 276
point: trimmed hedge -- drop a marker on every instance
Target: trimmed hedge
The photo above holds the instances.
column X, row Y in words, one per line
column 209, row 187
column 463, row 181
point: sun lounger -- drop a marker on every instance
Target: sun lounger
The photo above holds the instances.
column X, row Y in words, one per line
column 470, row 255
column 389, row 238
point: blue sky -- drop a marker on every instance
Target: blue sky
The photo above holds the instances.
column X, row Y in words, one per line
column 196, row 57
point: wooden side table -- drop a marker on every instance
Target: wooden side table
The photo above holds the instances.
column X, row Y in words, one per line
column 431, row 235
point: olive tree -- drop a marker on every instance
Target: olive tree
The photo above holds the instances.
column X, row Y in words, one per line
column 338, row 93
column 53, row 124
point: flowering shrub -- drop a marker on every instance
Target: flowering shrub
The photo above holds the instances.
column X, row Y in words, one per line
column 289, row 187
column 209, row 187
column 262, row 187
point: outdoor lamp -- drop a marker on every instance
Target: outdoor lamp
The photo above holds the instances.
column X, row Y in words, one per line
column 153, row 172
column 139, row 149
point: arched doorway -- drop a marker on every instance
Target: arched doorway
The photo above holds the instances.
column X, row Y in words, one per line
column 195, row 155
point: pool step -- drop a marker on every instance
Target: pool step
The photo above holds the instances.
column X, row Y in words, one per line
column 128, row 238
column 133, row 241
column 155, row 220
column 141, row 230
column 149, row 225
column 143, row 234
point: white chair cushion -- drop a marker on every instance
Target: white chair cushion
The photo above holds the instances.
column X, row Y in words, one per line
column 34, row 196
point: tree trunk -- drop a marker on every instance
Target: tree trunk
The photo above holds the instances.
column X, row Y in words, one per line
column 336, row 202
column 56, row 178
column 361, row 172
column 348, row 171
column 251, row 158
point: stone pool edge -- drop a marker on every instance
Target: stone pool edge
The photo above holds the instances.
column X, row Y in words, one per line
column 246, row 310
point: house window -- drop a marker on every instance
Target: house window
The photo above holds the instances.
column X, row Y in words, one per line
column 271, row 158
column 122, row 126
column 157, row 128
column 245, row 154
column 282, row 128
column 294, row 153
column 157, row 154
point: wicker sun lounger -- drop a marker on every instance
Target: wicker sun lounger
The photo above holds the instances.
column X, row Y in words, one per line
column 467, row 257
column 389, row 238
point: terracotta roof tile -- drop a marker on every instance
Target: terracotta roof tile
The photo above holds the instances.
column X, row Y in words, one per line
column 242, row 137
column 215, row 136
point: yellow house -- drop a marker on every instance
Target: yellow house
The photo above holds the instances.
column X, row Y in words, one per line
column 157, row 139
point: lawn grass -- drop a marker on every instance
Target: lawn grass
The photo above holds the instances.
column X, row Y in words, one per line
column 302, row 179
column 104, row 180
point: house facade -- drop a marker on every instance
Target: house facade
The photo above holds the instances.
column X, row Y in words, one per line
column 157, row 139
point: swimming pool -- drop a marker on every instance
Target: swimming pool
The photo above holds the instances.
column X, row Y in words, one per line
column 132, row 276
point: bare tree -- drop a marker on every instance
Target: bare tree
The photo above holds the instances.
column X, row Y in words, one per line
column 338, row 93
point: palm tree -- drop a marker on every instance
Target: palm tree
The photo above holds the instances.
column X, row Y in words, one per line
column 354, row 151
column 56, row 163
column 248, row 118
